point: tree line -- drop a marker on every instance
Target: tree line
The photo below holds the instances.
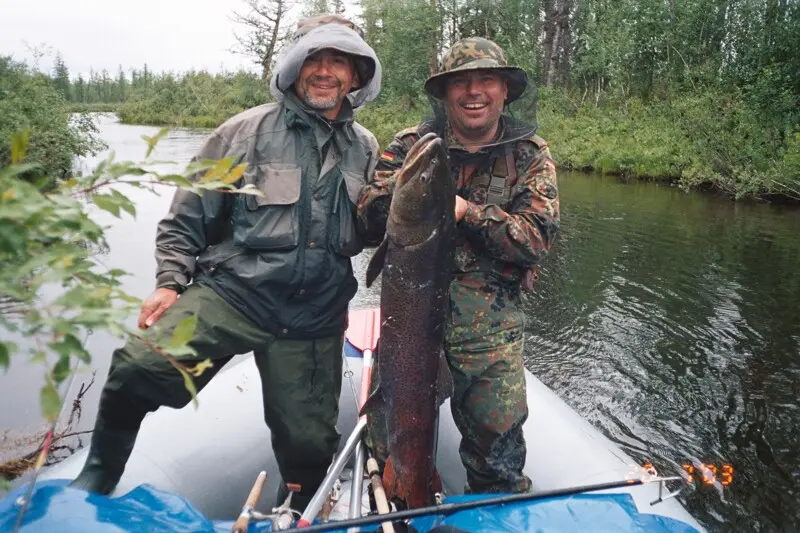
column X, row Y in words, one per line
column 700, row 92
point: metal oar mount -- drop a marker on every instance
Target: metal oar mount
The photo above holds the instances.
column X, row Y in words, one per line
column 449, row 508
column 281, row 517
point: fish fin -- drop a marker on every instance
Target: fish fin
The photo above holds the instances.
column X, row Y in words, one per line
column 444, row 380
column 375, row 401
column 376, row 263
column 437, row 482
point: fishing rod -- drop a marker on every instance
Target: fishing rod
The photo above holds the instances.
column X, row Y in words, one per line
column 449, row 508
column 25, row 500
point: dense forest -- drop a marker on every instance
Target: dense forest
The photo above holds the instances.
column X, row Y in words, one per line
column 704, row 93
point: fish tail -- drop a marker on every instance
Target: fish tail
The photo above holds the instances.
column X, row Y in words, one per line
column 390, row 482
column 398, row 491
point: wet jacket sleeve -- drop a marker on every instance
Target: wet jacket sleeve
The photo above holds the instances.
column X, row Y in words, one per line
column 522, row 234
column 373, row 204
column 193, row 223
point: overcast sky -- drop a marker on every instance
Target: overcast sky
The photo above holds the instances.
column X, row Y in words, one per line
column 176, row 35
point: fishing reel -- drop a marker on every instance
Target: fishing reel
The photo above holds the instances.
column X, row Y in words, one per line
column 281, row 517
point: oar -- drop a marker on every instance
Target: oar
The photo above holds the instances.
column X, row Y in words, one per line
column 363, row 333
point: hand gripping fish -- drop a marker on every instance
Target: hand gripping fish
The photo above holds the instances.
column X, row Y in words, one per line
column 415, row 260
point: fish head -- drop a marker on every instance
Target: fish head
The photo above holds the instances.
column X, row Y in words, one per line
column 424, row 194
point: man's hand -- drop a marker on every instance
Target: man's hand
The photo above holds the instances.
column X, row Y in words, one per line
column 461, row 208
column 155, row 305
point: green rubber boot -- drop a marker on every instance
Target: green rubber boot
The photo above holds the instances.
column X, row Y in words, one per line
column 108, row 453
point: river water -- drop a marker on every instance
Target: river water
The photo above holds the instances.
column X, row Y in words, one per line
column 670, row 320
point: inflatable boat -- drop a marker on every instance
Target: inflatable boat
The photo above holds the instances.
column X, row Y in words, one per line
column 199, row 469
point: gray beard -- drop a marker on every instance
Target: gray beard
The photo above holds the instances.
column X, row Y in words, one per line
column 319, row 103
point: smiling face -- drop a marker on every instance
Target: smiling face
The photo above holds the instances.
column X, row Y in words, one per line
column 474, row 101
column 325, row 79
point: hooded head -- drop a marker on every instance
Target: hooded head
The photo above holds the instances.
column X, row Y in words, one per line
column 334, row 33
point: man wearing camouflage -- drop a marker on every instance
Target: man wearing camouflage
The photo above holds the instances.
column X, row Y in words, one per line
column 507, row 213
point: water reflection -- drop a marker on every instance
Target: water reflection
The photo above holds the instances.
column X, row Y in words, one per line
column 670, row 321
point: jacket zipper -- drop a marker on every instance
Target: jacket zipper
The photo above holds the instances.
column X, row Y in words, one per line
column 213, row 268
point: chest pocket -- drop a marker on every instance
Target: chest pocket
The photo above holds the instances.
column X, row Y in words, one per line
column 269, row 221
column 344, row 237
column 355, row 183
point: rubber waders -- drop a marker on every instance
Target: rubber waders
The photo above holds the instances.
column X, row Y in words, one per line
column 105, row 463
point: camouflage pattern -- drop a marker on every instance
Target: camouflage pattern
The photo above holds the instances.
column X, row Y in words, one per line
column 496, row 245
column 475, row 53
column 506, row 240
column 484, row 351
column 471, row 50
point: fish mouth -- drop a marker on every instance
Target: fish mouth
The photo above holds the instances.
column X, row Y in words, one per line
column 421, row 159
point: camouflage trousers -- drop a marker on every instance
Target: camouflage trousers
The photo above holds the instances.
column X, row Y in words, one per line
column 483, row 347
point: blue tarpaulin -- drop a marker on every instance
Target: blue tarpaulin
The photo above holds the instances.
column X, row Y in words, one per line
column 55, row 508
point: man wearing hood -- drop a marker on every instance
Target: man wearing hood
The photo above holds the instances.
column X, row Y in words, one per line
column 267, row 273
column 507, row 215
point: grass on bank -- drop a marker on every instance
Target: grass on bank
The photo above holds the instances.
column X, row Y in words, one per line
column 706, row 139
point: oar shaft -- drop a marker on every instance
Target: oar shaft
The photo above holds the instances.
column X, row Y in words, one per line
column 356, row 489
column 318, row 499
column 366, row 377
column 449, row 508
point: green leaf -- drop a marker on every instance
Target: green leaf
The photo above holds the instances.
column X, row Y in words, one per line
column 38, row 356
column 5, row 354
column 70, row 345
column 177, row 179
column 250, row 189
column 152, row 141
column 19, row 145
column 178, row 351
column 124, row 202
column 219, row 170
column 189, row 384
column 61, row 370
column 235, row 174
column 14, row 170
column 184, row 331
column 201, row 367
column 51, row 403
column 107, row 203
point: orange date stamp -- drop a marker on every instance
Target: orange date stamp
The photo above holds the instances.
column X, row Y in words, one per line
column 709, row 473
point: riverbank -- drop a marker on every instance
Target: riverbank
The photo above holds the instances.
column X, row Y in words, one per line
column 704, row 140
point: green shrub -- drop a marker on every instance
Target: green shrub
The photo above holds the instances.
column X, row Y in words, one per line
column 28, row 102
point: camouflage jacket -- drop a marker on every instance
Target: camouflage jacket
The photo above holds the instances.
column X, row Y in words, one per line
column 513, row 212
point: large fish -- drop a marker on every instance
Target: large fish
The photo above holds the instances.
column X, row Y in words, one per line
column 416, row 263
